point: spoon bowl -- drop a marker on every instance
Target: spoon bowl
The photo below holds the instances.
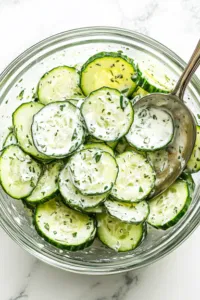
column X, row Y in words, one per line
column 181, row 146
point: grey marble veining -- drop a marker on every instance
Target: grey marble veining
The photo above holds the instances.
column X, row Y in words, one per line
column 177, row 25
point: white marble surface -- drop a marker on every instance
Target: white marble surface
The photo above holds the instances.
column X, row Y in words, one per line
column 176, row 23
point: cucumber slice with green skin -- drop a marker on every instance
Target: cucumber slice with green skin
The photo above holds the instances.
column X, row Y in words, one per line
column 136, row 178
column 22, row 120
column 118, row 235
column 148, row 82
column 71, row 195
column 19, row 173
column 151, row 130
column 108, row 114
column 58, row 129
column 59, row 84
column 100, row 146
column 191, row 184
column 10, row 140
column 111, row 69
column 47, row 186
column 159, row 160
column 93, row 171
column 168, row 208
column 64, row 227
column 193, row 164
column 135, row 213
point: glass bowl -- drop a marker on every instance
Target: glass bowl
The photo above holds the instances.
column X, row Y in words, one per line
column 17, row 85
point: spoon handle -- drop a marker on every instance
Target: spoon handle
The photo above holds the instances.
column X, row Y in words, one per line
column 190, row 69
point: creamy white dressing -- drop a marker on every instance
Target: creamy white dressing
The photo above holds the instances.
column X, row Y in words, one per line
column 93, row 171
column 152, row 128
column 58, row 129
column 108, row 114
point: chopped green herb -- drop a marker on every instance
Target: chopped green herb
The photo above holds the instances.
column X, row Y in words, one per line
column 97, row 157
column 21, row 95
column 123, row 102
column 62, row 107
column 74, row 136
column 46, row 226
column 141, row 189
column 124, row 91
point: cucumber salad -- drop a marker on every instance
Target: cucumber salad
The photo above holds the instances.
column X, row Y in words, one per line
column 85, row 160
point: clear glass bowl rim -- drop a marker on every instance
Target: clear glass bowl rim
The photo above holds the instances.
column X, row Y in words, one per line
column 145, row 259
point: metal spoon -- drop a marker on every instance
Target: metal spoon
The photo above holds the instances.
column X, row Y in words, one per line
column 181, row 147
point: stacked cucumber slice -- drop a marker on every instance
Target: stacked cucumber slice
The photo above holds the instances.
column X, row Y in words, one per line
column 85, row 160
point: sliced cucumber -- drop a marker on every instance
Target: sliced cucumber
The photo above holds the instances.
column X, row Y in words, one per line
column 152, row 129
column 136, row 178
column 128, row 212
column 148, row 81
column 159, row 160
column 191, row 184
column 72, row 196
column 118, row 235
column 58, row 129
column 63, row 227
column 93, row 171
column 47, row 186
column 111, row 69
column 59, row 84
column 22, row 120
column 108, row 114
column 100, row 146
column 10, row 140
column 193, row 164
column 19, row 173
column 168, row 208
